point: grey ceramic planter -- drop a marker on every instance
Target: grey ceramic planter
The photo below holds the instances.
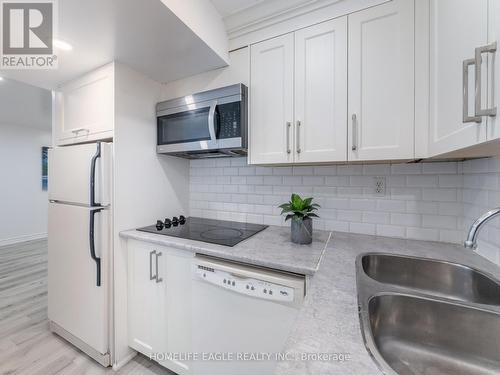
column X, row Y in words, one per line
column 302, row 231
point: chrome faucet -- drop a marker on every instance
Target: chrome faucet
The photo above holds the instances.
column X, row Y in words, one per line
column 471, row 241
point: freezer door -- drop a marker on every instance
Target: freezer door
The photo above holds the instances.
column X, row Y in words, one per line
column 76, row 302
column 71, row 173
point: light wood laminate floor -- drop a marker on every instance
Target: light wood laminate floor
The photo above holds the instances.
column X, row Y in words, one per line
column 27, row 347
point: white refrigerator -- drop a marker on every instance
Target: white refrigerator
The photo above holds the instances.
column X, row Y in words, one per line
column 79, row 243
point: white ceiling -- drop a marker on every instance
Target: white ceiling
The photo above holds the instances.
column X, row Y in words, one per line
column 230, row 7
column 143, row 34
column 25, row 105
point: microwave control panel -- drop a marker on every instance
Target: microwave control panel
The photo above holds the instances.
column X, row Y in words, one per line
column 229, row 120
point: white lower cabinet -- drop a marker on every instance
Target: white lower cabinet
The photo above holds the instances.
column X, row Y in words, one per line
column 159, row 303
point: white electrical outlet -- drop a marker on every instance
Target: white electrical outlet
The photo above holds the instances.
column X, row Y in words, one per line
column 379, row 185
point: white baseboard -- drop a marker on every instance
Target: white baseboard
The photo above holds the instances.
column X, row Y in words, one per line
column 118, row 365
column 28, row 237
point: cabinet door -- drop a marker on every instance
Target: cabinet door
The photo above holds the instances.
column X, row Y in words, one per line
column 271, row 101
column 494, row 69
column 84, row 108
column 321, row 92
column 457, row 27
column 146, row 298
column 177, row 337
column 381, row 82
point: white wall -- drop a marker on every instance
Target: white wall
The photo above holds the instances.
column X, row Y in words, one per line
column 202, row 17
column 238, row 71
column 23, row 204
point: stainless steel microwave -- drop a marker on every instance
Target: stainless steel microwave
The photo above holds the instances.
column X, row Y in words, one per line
column 207, row 124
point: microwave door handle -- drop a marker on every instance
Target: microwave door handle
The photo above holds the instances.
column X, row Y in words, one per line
column 211, row 121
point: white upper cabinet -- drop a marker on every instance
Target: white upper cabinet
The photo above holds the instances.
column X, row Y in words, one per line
column 494, row 69
column 381, row 82
column 271, row 101
column 457, row 28
column 84, row 108
column 321, row 92
column 337, row 91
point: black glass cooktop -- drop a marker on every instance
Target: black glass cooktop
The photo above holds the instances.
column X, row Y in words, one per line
column 227, row 233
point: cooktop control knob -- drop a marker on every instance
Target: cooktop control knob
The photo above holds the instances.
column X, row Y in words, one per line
column 182, row 220
column 159, row 225
column 175, row 221
column 168, row 223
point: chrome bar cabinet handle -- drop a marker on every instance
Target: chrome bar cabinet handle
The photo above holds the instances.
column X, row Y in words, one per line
column 151, row 276
column 298, row 137
column 479, row 111
column 465, row 94
column 288, row 126
column 158, row 278
column 354, row 132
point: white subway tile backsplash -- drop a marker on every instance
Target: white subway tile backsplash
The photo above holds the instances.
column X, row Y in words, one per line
column 440, row 195
column 325, row 170
column 425, row 201
column 349, row 170
column 440, row 168
column 451, row 181
column 386, row 205
column 390, row 230
column 422, row 181
column 363, row 204
column 361, row 181
column 335, row 225
column 282, row 171
column 454, row 236
column 273, row 180
column 376, row 169
column 337, row 181
column 362, row 228
column 337, row 203
column 351, row 216
column 439, row 221
column 406, row 219
column 406, row 168
column 313, row 180
column 423, row 234
column 303, row 171
column 376, row 217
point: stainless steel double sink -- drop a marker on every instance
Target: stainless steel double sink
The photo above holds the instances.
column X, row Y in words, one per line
column 423, row 316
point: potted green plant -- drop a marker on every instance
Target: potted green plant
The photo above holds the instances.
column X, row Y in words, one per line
column 301, row 212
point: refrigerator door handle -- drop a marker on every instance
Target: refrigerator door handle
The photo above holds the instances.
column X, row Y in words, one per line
column 93, row 163
column 96, row 259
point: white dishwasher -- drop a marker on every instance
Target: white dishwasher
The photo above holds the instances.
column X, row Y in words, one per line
column 242, row 316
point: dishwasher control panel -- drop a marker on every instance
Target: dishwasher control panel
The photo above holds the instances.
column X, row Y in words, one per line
column 244, row 285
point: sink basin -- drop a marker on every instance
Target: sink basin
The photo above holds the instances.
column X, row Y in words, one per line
column 417, row 335
column 444, row 279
